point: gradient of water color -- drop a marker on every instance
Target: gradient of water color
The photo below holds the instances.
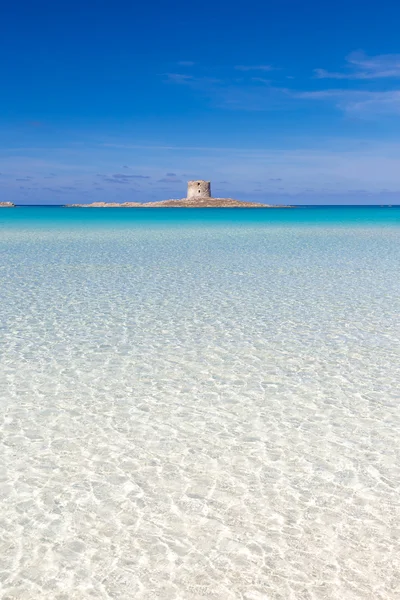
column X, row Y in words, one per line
column 199, row 404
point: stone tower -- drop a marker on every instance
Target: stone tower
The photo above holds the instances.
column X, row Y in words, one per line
column 199, row 189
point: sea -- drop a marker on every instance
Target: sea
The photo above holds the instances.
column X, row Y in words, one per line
column 200, row 403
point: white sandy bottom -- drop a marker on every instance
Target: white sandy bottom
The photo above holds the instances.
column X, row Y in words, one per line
column 200, row 414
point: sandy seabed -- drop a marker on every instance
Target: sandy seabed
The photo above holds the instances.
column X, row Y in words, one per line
column 200, row 413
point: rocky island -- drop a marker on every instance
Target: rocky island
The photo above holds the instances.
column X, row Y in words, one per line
column 7, row 205
column 198, row 196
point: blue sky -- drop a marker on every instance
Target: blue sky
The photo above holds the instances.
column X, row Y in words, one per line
column 279, row 101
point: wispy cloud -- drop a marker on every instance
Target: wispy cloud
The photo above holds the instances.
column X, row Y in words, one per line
column 111, row 180
column 361, row 103
column 179, row 77
column 169, row 180
column 254, row 68
column 361, row 66
column 121, row 178
column 254, row 94
column 124, row 176
column 261, row 80
column 56, row 190
column 259, row 94
column 200, row 83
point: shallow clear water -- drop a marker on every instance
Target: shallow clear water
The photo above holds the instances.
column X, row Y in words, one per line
column 199, row 404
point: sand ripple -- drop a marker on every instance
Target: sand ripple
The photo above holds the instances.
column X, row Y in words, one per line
column 202, row 413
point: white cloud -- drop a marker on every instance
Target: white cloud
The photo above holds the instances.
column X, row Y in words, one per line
column 361, row 66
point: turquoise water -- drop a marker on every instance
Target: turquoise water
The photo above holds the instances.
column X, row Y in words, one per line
column 199, row 404
column 345, row 216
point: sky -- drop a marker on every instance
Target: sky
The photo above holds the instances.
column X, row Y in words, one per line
column 273, row 101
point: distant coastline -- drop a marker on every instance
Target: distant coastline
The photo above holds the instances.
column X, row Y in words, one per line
column 7, row 205
column 183, row 203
